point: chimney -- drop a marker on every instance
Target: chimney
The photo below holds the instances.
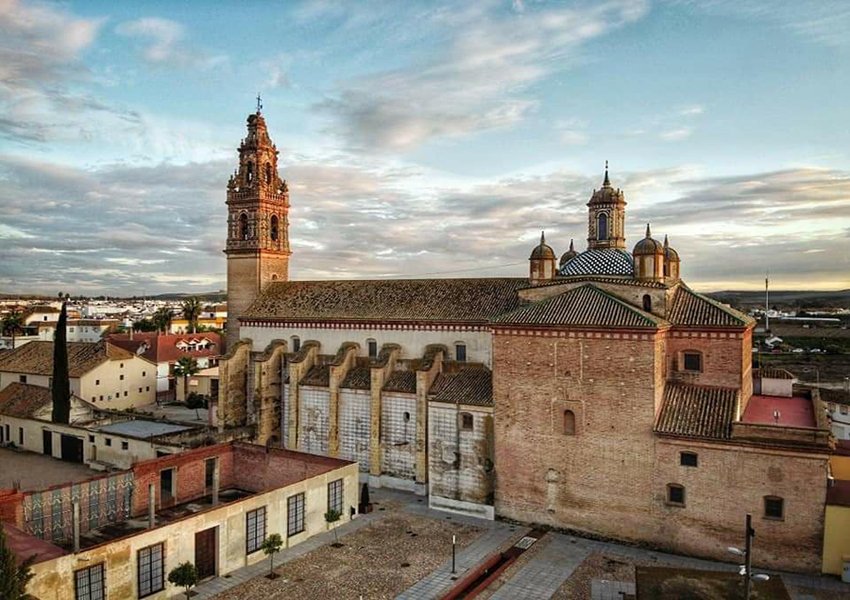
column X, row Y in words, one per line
column 151, row 506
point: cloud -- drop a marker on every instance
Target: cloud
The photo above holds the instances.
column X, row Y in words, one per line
column 128, row 229
column 164, row 43
column 478, row 80
column 675, row 135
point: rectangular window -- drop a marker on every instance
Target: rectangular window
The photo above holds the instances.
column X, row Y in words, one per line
column 23, row 378
column 466, row 421
column 97, row 381
column 675, row 494
column 373, row 348
column 89, row 583
column 255, row 532
column 121, row 377
column 693, row 361
column 125, row 445
column 91, row 439
column 774, row 508
column 688, row 459
column 460, row 352
column 108, row 441
column 335, row 496
column 151, row 574
column 295, row 514
column 144, row 373
column 21, row 436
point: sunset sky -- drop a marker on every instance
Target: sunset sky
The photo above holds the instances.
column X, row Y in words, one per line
column 423, row 139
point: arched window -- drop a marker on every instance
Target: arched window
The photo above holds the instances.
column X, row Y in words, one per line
column 602, row 227
column 666, row 267
column 296, row 343
column 569, row 422
column 249, row 172
column 268, row 173
column 274, row 228
column 647, row 303
column 243, row 226
column 372, row 346
column 406, row 417
column 460, row 352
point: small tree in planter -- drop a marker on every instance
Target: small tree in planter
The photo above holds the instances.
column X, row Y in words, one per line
column 331, row 517
column 184, row 575
column 271, row 546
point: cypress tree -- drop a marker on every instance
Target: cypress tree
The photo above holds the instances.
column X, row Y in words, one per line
column 61, row 388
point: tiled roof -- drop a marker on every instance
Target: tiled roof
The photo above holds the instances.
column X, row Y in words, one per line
column 690, row 308
column 585, row 306
column 23, row 400
column 401, row 381
column 163, row 348
column 36, row 358
column 357, row 378
column 317, row 375
column 389, row 300
column 773, row 373
column 468, row 386
column 612, row 279
column 608, row 261
column 697, row 411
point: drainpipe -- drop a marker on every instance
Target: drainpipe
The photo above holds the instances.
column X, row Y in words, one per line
column 151, row 506
column 215, row 484
column 76, row 520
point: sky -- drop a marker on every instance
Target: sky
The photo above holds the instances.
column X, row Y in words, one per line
column 423, row 139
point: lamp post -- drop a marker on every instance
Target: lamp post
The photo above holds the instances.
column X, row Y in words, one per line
column 454, row 542
column 746, row 570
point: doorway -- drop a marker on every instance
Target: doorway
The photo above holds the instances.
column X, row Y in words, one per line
column 72, row 448
column 206, row 552
column 167, row 491
column 47, row 442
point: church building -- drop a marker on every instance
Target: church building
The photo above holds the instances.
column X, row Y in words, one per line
column 599, row 394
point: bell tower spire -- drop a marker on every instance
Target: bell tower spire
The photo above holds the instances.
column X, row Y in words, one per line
column 606, row 217
column 257, row 245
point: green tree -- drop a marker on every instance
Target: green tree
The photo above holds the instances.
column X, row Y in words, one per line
column 13, row 576
column 13, row 324
column 162, row 319
column 331, row 517
column 191, row 309
column 61, row 385
column 144, row 325
column 184, row 575
column 185, row 368
column 271, row 546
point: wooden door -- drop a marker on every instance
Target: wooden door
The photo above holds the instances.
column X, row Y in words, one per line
column 206, row 552
column 72, row 449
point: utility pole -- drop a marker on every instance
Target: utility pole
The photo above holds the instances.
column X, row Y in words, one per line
column 748, row 561
column 766, row 303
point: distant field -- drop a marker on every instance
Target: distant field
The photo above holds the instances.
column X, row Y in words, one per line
column 800, row 299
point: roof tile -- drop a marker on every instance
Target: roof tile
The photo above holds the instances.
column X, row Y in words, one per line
column 692, row 309
column 697, row 411
column 471, row 386
column 36, row 358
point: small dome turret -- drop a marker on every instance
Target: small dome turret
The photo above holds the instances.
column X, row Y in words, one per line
column 542, row 250
column 648, row 245
column 568, row 255
column 671, row 262
column 542, row 262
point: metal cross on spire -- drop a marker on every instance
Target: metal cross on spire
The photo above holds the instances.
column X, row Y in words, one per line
column 259, row 103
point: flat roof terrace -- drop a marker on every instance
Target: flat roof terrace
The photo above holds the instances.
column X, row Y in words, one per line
column 795, row 411
column 34, row 471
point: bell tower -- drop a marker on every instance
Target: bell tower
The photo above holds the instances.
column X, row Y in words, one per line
column 257, row 223
column 606, row 217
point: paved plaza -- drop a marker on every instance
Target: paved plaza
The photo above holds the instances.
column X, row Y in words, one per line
column 540, row 577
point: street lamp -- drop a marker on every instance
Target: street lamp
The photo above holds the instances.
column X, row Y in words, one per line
column 746, row 570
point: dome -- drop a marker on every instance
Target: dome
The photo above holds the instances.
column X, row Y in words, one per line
column 669, row 253
column 607, row 194
column 568, row 255
column 542, row 250
column 648, row 245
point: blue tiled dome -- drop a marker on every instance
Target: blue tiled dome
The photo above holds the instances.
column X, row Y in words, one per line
column 608, row 261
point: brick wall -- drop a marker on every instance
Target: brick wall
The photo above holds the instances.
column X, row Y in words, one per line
column 599, row 479
column 731, row 481
column 725, row 360
column 261, row 468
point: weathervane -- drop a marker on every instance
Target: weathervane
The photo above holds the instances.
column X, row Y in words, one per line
column 259, row 103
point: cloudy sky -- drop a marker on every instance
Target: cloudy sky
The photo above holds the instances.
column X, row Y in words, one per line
column 423, row 139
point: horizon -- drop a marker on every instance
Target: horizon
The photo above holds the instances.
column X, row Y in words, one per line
column 423, row 139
